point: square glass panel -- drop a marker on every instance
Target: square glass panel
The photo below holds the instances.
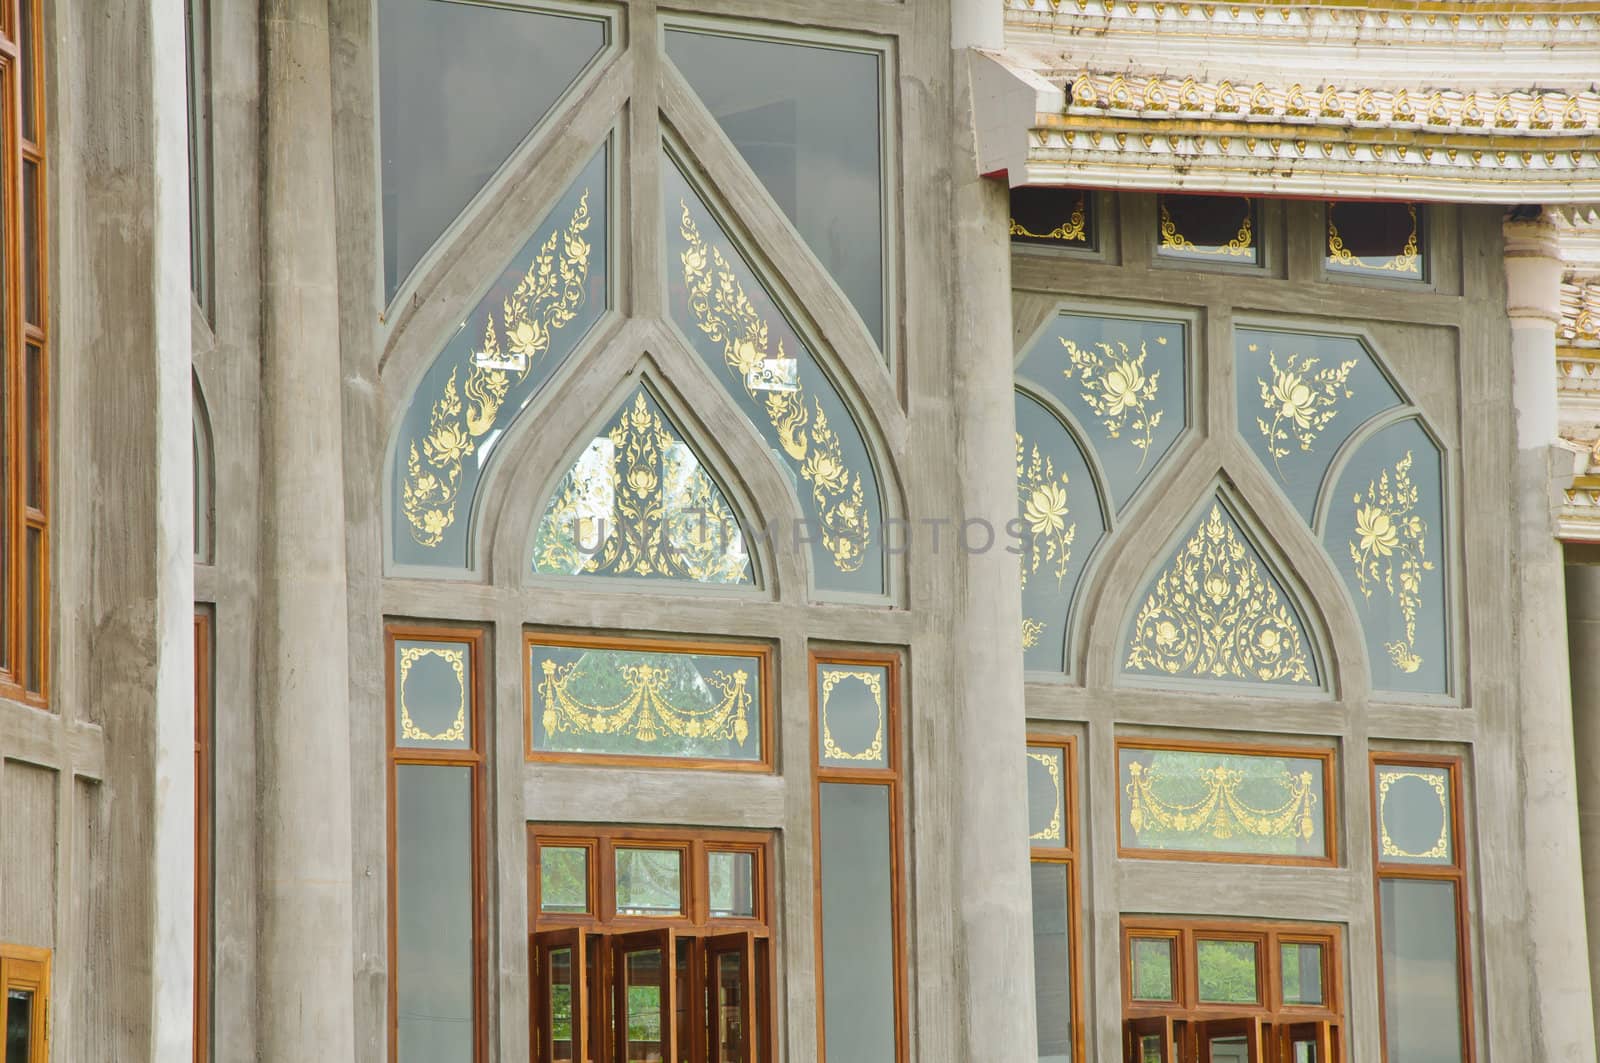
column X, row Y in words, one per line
column 432, row 694
column 1414, row 814
column 563, row 878
column 1377, row 239
column 732, row 885
column 1150, row 968
column 1047, row 796
column 649, row 882
column 853, row 703
column 1209, row 229
column 1301, row 976
column 1421, row 970
column 1227, row 972
column 1053, row 217
column 1052, row 960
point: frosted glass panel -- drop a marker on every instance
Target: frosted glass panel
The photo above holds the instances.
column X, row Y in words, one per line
column 1047, row 783
column 433, row 913
column 853, row 710
column 1052, row 961
column 433, row 694
column 1414, row 815
column 857, row 923
column 1421, row 971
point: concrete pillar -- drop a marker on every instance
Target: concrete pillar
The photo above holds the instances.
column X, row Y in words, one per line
column 977, row 24
column 1563, row 1005
column 307, row 986
column 1583, row 641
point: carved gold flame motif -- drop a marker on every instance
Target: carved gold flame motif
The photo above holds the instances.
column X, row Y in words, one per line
column 1220, row 814
column 544, row 301
column 725, row 313
column 1213, row 613
column 1407, row 261
column 644, row 712
column 1301, row 400
column 1388, row 548
column 1118, row 390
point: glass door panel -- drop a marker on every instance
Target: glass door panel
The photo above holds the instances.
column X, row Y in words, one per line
column 1230, row 1041
column 730, row 994
column 1151, row 1040
column 644, row 970
column 1307, row 1042
column 561, row 996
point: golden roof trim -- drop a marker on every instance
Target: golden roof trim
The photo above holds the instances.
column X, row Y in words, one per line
column 1487, row 15
column 1580, row 312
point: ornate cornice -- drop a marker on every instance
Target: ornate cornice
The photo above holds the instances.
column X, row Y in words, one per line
column 1580, row 313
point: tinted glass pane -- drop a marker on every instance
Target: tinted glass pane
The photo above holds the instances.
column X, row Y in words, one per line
column 1052, row 961
column 198, row 83
column 19, row 1026
column 433, row 702
column 1227, row 972
column 1384, row 531
column 433, row 912
column 644, row 980
column 1218, row 802
column 807, row 120
column 649, row 882
column 491, row 74
column 1053, row 217
column 1209, row 229
column 1421, row 971
column 1302, row 973
column 722, row 308
column 1151, row 968
column 563, row 878
column 560, row 982
column 655, row 704
column 728, row 1006
column 30, row 241
column 732, row 884
column 640, row 502
column 27, row 70
column 530, row 317
column 1300, row 397
column 1380, row 239
column 1047, row 796
column 858, row 995
column 854, row 710
column 33, row 377
column 33, row 561
column 1414, row 815
column 1216, row 611
column 6, row 531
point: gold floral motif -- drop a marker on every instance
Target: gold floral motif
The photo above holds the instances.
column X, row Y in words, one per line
column 1042, row 499
column 1407, row 261
column 645, row 711
column 873, row 681
column 1302, row 400
column 1031, row 630
column 667, row 517
column 1388, row 549
column 1117, row 389
column 725, row 313
column 457, row 660
column 1213, row 613
column 1241, row 246
column 1441, row 848
column 1074, row 230
column 544, row 301
column 1052, row 764
column 1220, row 814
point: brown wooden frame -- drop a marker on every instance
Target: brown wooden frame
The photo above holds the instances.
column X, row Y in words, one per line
column 1067, row 853
column 204, row 760
column 1330, row 818
column 473, row 758
column 26, row 431
column 760, row 652
column 1453, row 872
column 889, row 776
column 540, row 1027
column 25, row 967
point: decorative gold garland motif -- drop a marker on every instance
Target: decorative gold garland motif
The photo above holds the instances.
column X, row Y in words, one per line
column 645, row 712
column 457, row 660
column 1213, row 613
column 1073, row 230
column 544, row 301
column 1116, row 388
column 1301, row 400
column 1220, row 814
column 1407, row 261
column 667, row 516
column 1242, row 244
column 873, row 681
column 1052, row 764
column 725, row 313
column 1441, row 848
column 1388, row 550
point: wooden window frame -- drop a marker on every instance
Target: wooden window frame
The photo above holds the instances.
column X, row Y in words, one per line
column 1453, row 872
column 1330, row 815
column 761, row 653
column 204, row 773
column 889, row 776
column 471, row 757
column 28, row 968
column 1067, row 854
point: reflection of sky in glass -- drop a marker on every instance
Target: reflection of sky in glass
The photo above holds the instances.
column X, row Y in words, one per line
column 807, row 121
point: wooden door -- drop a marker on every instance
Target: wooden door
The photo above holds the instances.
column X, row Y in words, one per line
column 644, row 1003
column 1230, row 1041
column 1306, row 1042
column 560, row 998
column 1150, row 1040
column 730, row 998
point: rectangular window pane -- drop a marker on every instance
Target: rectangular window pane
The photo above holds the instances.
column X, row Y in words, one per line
column 1209, row 229
column 732, row 877
column 655, row 704
column 1421, row 971
column 1381, row 239
column 434, row 962
column 1046, row 796
column 433, row 694
column 30, row 240
column 728, row 1005
column 1052, row 961
column 852, row 702
column 1150, row 962
column 644, row 980
column 6, row 522
column 27, row 70
column 1223, row 802
column 198, row 69
column 1414, row 805
column 34, row 426
column 33, row 560
column 560, row 1002
column 1302, row 973
column 649, row 882
column 19, row 1026
column 858, row 964
column 1227, row 972
column 563, row 878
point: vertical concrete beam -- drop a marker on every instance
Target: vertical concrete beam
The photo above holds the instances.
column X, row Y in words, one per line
column 977, row 24
column 1583, row 641
column 1563, row 1003
column 307, row 982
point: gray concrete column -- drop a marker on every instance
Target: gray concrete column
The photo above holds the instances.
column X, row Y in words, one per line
column 1564, row 1018
column 307, row 983
column 1583, row 641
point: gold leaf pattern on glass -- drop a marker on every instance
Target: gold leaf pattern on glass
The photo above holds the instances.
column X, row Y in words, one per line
column 1220, row 814
column 1214, row 613
column 1042, row 501
column 1301, row 400
column 645, row 711
column 1031, row 630
column 1408, row 261
column 1438, row 783
column 457, row 660
column 1241, row 246
column 638, row 503
column 1118, row 390
column 1074, row 230
column 1388, row 548
column 725, row 313
column 545, row 300
column 1052, row 764
column 873, row 681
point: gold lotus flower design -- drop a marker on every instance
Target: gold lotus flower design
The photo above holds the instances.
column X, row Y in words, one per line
column 1117, row 389
column 1301, row 400
column 1046, row 510
column 1376, row 531
column 1388, row 552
